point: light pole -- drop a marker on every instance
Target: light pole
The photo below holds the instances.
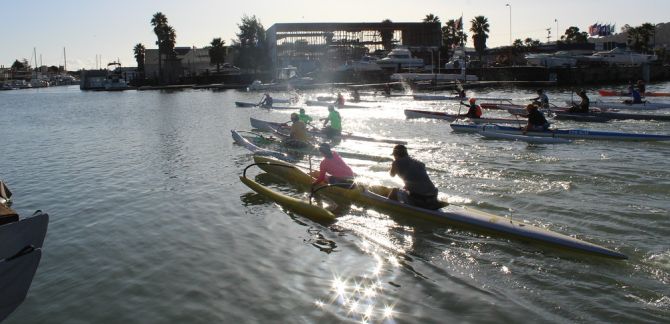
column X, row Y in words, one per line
column 510, row 23
column 556, row 20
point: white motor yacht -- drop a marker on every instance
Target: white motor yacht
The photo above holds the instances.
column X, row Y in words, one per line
column 400, row 57
column 620, row 56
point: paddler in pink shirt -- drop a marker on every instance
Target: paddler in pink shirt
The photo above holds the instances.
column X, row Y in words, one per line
column 333, row 165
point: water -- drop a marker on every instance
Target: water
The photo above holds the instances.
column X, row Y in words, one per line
column 149, row 223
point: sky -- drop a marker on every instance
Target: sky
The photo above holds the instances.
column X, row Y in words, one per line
column 109, row 30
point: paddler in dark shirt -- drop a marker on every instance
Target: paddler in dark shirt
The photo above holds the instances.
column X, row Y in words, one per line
column 583, row 106
column 536, row 120
column 419, row 190
column 474, row 110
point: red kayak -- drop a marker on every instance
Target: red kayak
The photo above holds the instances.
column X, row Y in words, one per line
column 613, row 93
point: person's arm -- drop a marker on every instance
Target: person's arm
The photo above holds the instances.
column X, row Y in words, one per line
column 394, row 169
column 322, row 173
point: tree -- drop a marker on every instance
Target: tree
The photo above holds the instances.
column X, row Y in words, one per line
column 159, row 21
column 531, row 43
column 517, row 43
column 480, row 29
column 452, row 34
column 430, row 18
column 638, row 37
column 251, row 44
column 386, row 34
column 20, row 65
column 217, row 53
column 573, row 35
column 139, row 52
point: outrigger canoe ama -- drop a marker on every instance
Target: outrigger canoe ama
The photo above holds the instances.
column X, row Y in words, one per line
column 457, row 216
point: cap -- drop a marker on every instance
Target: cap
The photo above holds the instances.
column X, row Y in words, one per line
column 302, row 110
column 472, row 100
column 294, row 116
column 324, row 147
column 400, row 150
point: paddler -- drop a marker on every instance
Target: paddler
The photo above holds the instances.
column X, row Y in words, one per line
column 298, row 136
column 474, row 110
column 339, row 101
column 583, row 106
column 266, row 101
column 333, row 168
column 635, row 94
column 335, row 127
column 541, row 99
column 419, row 190
column 305, row 118
column 536, row 120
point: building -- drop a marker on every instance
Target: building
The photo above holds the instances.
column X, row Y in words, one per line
column 188, row 62
column 322, row 46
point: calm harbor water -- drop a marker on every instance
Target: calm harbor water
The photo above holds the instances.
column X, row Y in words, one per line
column 150, row 224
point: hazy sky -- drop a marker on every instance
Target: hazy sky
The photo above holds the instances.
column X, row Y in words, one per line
column 112, row 28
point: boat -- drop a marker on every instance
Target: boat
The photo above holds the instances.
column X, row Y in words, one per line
column 240, row 140
column 241, row 104
column 646, row 105
column 451, row 215
column 400, row 57
column 21, row 241
column 606, row 116
column 326, row 104
column 456, row 98
column 365, row 64
column 551, row 60
column 412, row 113
column 565, row 133
column 614, row 93
column 435, row 77
column 270, row 126
column 491, row 131
column 298, row 206
column 286, row 79
column 619, row 56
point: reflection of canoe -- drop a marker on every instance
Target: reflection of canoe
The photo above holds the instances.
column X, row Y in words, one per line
column 455, row 98
column 411, row 113
column 565, row 133
column 613, row 93
column 607, row 116
column 451, row 215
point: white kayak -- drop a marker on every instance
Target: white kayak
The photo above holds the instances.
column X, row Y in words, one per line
column 647, row 105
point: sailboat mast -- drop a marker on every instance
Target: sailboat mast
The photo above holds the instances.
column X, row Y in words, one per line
column 64, row 61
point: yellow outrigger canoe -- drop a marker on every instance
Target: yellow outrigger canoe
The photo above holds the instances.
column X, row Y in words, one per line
column 457, row 216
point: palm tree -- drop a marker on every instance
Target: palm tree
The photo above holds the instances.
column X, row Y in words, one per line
column 480, row 29
column 217, row 53
column 139, row 56
column 159, row 21
column 431, row 18
column 386, row 34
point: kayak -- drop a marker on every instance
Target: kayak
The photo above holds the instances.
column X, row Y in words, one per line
column 412, row 113
column 240, row 104
column 491, row 132
column 297, row 206
column 270, row 126
column 326, row 104
column 621, row 105
column 613, row 93
column 20, row 253
column 240, row 140
column 457, row 216
column 607, row 116
column 455, row 98
column 332, row 99
column 565, row 133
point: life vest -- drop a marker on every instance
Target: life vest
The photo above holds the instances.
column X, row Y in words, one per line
column 478, row 111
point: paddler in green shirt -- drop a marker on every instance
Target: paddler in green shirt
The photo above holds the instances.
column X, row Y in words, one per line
column 305, row 118
column 335, row 127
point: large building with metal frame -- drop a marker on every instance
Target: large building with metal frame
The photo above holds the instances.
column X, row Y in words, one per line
column 319, row 46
